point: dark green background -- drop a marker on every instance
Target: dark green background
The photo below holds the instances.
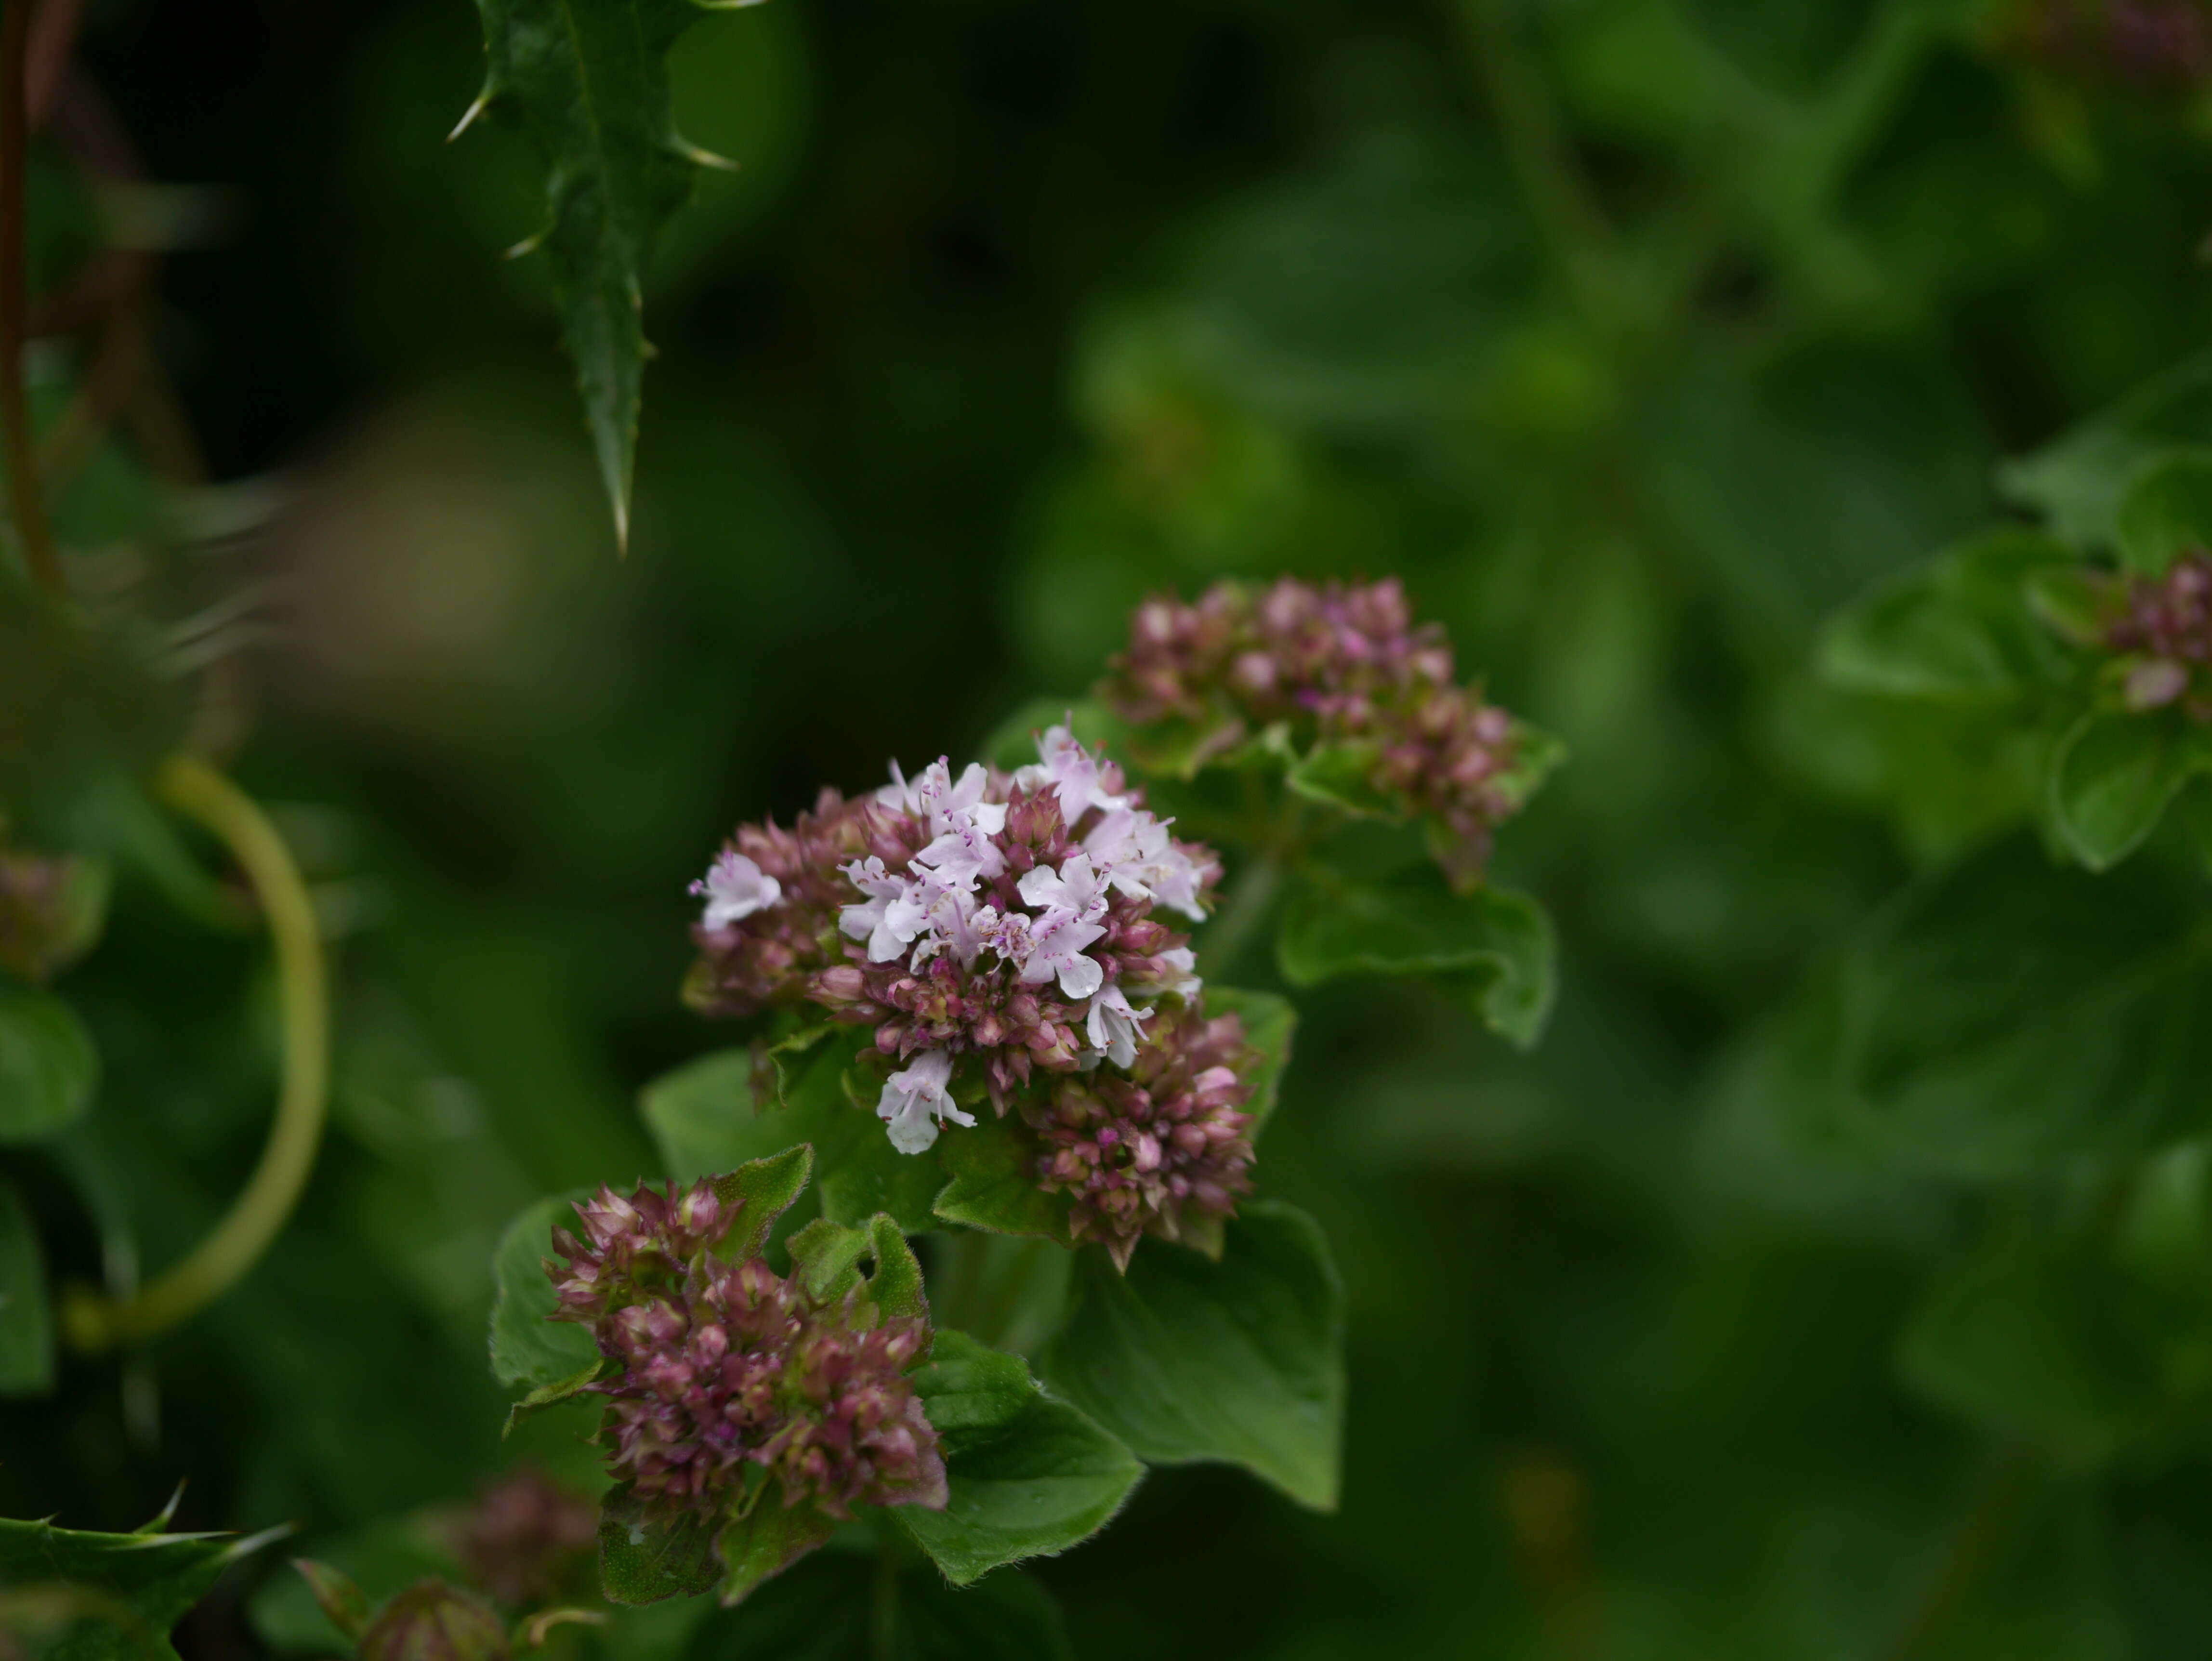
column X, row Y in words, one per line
column 1018, row 311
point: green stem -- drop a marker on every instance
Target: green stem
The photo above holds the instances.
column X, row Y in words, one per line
column 1538, row 151
column 93, row 1322
column 17, row 447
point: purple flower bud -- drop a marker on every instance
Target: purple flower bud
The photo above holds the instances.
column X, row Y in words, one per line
column 1150, row 1152
column 1337, row 665
column 2161, row 630
column 721, row 1365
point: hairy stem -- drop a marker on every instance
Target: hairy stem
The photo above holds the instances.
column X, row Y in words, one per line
column 17, row 447
column 93, row 1322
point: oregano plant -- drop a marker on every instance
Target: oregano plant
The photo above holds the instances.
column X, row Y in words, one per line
column 981, row 1018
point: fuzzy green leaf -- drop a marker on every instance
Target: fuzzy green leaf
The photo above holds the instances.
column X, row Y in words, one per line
column 1960, row 627
column 588, row 80
column 26, row 1322
column 825, row 1257
column 1269, row 1021
column 552, row 1396
column 704, row 1120
column 2167, row 512
column 132, row 1587
column 1498, row 945
column 993, row 1187
column 1028, row 1476
column 2113, row 776
column 527, row 1349
column 48, row 1068
column 1240, row 1361
column 763, row 1190
column 766, row 1540
column 649, row 1552
column 896, row 1283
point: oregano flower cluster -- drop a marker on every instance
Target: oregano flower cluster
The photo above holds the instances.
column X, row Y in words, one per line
column 728, row 1374
column 1165, row 1150
column 1001, row 924
column 1330, row 664
column 2160, row 628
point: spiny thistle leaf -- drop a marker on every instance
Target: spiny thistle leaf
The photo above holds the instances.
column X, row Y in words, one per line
column 589, row 80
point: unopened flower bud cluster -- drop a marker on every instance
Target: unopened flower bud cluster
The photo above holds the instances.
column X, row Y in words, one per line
column 1164, row 1150
column 1332, row 663
column 2162, row 628
column 1001, row 922
column 727, row 1368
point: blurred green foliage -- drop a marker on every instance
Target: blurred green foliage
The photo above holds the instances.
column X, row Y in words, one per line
column 1830, row 1282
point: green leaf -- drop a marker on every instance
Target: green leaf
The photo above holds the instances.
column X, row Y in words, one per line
column 1341, row 775
column 2079, row 480
column 526, row 1347
column 762, row 1189
column 48, row 1068
column 825, row 1257
column 26, row 1322
column 972, row 1392
column 1240, row 1361
column 2012, row 1019
column 2114, row 775
column 1497, row 943
column 766, row 1540
column 2167, row 512
column 993, row 1185
column 552, row 1395
column 896, row 1283
column 134, row 1586
column 588, row 80
column 1269, row 1021
column 649, row 1552
column 1960, row 627
column 703, row 1118
column 1028, row 1476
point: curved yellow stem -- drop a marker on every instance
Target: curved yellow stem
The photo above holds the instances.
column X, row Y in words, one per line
column 92, row 1322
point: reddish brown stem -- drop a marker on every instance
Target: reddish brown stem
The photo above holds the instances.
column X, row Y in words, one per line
column 21, row 455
